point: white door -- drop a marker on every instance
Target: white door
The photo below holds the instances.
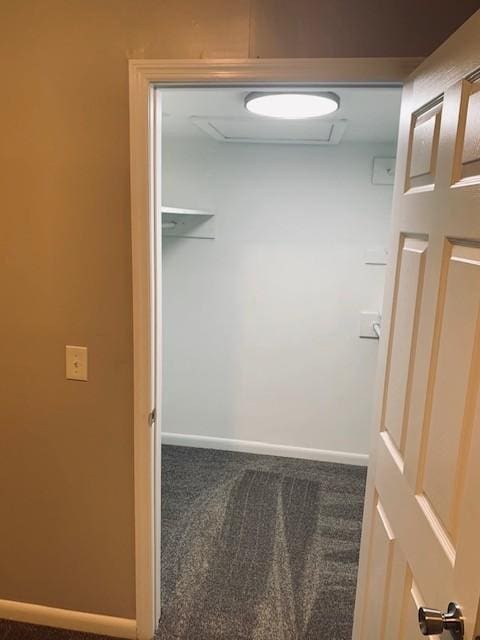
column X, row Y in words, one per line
column 421, row 536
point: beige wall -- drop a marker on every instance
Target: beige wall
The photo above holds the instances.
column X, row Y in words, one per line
column 66, row 473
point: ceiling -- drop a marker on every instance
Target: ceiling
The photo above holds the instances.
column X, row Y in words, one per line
column 366, row 114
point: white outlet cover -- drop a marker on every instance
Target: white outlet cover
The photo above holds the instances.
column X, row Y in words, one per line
column 383, row 171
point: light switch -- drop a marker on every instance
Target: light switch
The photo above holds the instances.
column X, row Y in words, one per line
column 77, row 363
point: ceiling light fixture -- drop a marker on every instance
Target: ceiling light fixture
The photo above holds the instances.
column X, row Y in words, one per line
column 292, row 106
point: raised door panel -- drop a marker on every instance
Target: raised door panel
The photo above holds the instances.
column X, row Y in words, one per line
column 467, row 155
column 471, row 143
column 398, row 624
column 453, row 387
column 407, row 515
column 413, row 601
column 408, row 294
column 392, row 595
column 378, row 585
column 423, row 147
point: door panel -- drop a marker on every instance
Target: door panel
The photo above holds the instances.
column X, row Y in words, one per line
column 399, row 581
column 382, row 545
column 414, row 600
column 454, row 383
column 467, row 157
column 423, row 149
column 406, row 312
column 419, row 545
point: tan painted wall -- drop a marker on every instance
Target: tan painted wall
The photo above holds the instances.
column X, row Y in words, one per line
column 66, row 473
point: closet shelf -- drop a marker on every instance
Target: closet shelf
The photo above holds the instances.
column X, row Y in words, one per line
column 187, row 223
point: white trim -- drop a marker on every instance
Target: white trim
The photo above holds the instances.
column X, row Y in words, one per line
column 284, row 71
column 265, row 448
column 156, row 249
column 65, row 619
column 143, row 442
column 143, row 76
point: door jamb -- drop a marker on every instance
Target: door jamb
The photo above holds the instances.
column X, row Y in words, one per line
column 144, row 75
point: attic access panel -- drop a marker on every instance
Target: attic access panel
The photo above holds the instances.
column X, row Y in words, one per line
column 267, row 131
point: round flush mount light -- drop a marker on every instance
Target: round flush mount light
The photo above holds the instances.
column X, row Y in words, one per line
column 292, row 106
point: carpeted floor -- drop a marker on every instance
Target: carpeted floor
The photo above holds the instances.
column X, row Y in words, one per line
column 258, row 548
column 19, row 631
column 253, row 548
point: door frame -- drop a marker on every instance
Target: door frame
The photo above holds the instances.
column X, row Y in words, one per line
column 144, row 76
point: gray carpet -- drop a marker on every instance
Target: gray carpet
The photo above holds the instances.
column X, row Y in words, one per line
column 258, row 548
column 253, row 547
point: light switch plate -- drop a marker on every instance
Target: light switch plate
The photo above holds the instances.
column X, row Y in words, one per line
column 76, row 363
column 367, row 319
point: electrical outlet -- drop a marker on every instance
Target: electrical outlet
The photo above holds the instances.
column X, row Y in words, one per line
column 76, row 363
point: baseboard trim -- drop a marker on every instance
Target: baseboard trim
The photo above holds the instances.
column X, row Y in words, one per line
column 251, row 446
column 66, row 619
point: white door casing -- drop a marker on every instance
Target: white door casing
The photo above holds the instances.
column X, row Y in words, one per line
column 156, row 324
column 420, row 542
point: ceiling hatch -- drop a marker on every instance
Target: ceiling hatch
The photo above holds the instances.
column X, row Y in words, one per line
column 261, row 130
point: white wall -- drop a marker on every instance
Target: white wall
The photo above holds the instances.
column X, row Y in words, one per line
column 261, row 324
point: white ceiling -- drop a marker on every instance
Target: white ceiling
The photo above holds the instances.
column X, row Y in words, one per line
column 371, row 113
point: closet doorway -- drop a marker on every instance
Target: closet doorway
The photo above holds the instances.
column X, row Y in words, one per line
column 272, row 247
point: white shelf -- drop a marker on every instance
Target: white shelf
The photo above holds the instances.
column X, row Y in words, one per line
column 188, row 223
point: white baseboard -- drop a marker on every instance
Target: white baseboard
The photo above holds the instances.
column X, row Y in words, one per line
column 65, row 619
column 250, row 446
